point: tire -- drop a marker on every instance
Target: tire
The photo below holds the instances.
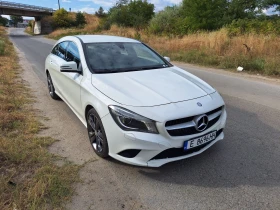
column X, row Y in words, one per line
column 51, row 88
column 97, row 135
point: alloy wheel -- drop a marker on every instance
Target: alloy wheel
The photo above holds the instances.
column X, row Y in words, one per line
column 95, row 133
column 50, row 85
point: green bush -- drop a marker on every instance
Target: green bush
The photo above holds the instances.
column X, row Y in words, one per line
column 61, row 19
column 104, row 24
column 3, row 21
column 168, row 21
column 80, row 19
column 272, row 67
column 30, row 23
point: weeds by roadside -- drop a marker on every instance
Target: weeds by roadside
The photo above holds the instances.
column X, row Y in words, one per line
column 256, row 53
column 29, row 179
column 29, row 30
column 2, row 47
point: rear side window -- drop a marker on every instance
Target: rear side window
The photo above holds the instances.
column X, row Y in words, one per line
column 60, row 50
column 72, row 53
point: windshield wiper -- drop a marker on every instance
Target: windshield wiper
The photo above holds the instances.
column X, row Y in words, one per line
column 151, row 67
column 109, row 71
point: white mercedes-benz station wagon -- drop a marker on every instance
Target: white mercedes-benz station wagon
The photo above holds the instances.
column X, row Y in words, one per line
column 138, row 108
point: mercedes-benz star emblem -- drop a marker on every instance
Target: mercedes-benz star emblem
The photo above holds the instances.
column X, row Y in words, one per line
column 199, row 104
column 201, row 122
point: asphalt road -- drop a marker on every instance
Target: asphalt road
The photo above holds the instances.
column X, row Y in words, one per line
column 241, row 172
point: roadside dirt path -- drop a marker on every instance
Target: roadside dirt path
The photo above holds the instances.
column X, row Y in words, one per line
column 99, row 187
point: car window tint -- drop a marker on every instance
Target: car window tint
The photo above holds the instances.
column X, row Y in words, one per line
column 72, row 53
column 62, row 50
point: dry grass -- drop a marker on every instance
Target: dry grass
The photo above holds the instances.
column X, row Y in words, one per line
column 29, row 30
column 91, row 26
column 256, row 53
column 28, row 177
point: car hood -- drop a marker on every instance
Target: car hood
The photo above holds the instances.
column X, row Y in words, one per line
column 151, row 87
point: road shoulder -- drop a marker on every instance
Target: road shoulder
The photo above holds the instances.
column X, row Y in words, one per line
column 99, row 187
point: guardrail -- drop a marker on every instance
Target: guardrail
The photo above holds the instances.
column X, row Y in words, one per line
column 12, row 5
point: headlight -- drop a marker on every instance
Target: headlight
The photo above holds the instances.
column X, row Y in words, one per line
column 130, row 121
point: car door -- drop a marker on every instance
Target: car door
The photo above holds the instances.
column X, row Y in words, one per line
column 57, row 57
column 70, row 82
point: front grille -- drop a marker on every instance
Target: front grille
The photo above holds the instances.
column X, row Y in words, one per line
column 186, row 126
column 178, row 152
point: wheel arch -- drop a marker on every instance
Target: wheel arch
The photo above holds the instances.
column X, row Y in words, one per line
column 88, row 107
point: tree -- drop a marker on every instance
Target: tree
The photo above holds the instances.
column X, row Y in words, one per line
column 211, row 15
column 80, row 19
column 204, row 14
column 168, row 21
column 194, row 15
column 136, row 13
column 16, row 19
column 100, row 13
column 240, row 9
column 141, row 13
column 122, row 3
column 3, row 21
column 61, row 18
column 271, row 3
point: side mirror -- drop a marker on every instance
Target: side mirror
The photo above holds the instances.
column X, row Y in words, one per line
column 167, row 58
column 69, row 67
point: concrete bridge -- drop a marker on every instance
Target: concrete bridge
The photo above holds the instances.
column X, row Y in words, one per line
column 11, row 8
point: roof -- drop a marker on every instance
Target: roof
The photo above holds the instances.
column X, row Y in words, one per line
column 104, row 38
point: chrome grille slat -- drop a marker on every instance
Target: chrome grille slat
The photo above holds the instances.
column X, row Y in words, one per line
column 186, row 126
column 180, row 126
column 215, row 115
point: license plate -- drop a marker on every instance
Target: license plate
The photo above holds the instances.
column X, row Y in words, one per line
column 200, row 141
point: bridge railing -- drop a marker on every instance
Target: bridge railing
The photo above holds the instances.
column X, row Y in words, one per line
column 12, row 5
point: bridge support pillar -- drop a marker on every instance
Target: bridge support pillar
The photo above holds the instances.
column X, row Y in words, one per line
column 37, row 28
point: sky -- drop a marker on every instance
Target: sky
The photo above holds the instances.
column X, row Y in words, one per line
column 90, row 6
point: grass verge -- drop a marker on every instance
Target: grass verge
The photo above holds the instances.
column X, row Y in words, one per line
column 29, row 179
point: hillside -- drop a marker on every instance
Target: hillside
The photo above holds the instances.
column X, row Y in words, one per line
column 255, row 52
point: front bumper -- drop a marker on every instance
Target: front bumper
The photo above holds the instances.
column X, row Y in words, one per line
column 150, row 145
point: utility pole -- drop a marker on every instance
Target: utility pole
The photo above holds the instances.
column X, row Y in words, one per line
column 58, row 4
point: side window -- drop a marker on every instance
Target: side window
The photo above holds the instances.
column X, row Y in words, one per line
column 72, row 53
column 55, row 50
column 62, row 50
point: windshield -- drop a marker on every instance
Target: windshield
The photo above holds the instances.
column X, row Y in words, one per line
column 117, row 57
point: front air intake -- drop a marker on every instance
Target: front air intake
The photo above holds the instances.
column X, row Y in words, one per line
column 130, row 153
